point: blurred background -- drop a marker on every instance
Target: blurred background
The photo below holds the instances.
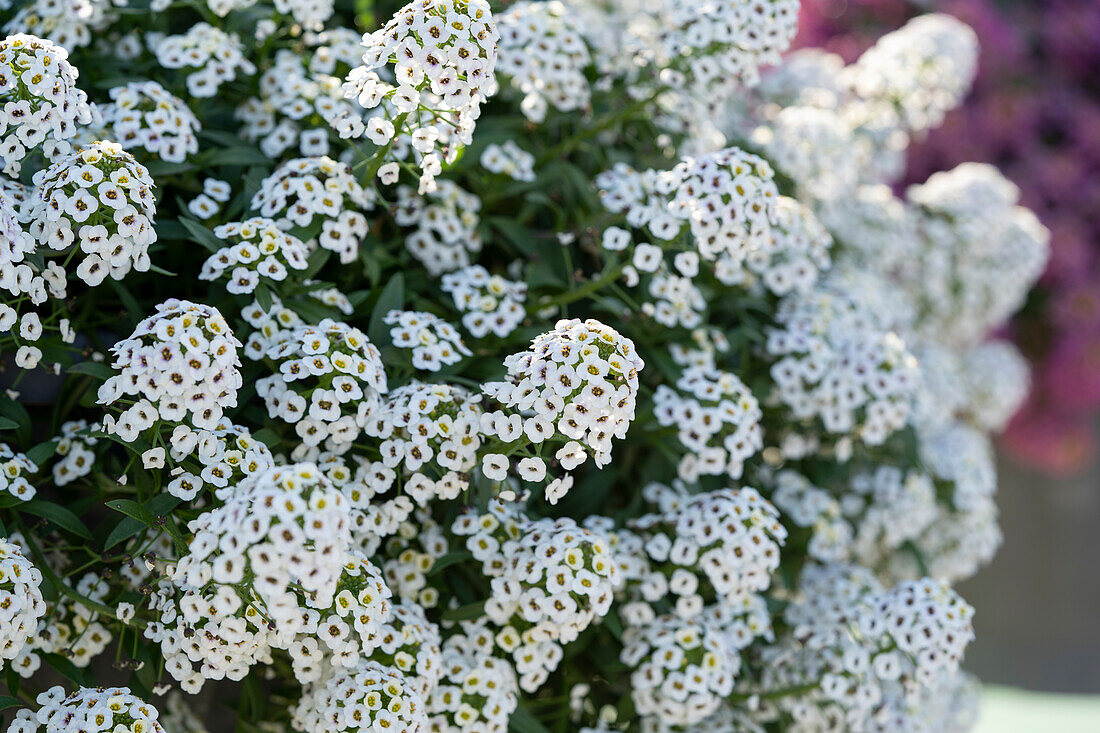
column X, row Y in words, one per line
column 1034, row 113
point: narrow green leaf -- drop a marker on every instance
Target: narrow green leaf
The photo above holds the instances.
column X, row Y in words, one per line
column 8, row 424
column 59, row 515
column 391, row 298
column 202, row 234
column 97, row 369
column 523, row 721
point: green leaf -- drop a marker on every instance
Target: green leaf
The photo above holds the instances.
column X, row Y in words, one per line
column 123, row 531
column 97, row 369
column 523, row 721
column 391, row 298
column 42, row 452
column 8, row 424
column 202, row 234
column 317, row 260
column 132, row 509
column 465, row 613
column 6, row 701
column 59, row 515
column 264, row 297
column 68, row 669
column 451, row 558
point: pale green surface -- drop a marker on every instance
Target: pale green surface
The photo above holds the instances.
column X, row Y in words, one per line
column 1007, row 710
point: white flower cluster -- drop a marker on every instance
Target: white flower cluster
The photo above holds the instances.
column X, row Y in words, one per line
column 477, row 692
column 799, row 252
column 211, row 56
column 717, row 420
column 258, row 251
column 434, row 343
column 368, row 698
column 806, row 505
column 831, row 363
column 349, row 629
column 682, row 669
column 21, row 604
column 235, row 593
column 730, row 539
column 874, row 649
column 40, row 103
column 180, row 364
column 305, row 192
column 74, row 447
column 99, row 201
column 979, row 256
column 915, row 75
column 88, row 710
column 543, row 54
column 330, row 378
column 726, row 199
column 580, row 381
column 296, row 107
column 68, row 627
column 489, row 303
column 14, row 468
column 551, row 579
column 145, row 115
column 443, row 53
column 432, row 431
column 509, row 159
column 445, row 220
column 375, row 511
column 219, row 459
column 70, row 24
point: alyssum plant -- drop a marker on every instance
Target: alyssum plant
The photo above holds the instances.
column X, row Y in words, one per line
column 532, row 366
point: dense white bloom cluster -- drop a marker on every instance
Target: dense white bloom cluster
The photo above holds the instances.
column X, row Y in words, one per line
column 70, row 24
column 74, row 447
column 915, row 75
column 41, row 104
column 443, row 54
column 259, row 250
column 979, row 255
column 581, row 382
column 509, row 159
column 296, row 107
column 369, row 697
column 542, row 53
column 729, row 538
column 354, row 625
column 489, row 303
column 556, row 580
column 799, row 252
column 433, row 432
column 303, row 190
column 99, row 201
column 445, row 220
column 682, row 669
column 180, row 364
column 329, row 380
column 789, row 360
column 434, row 343
column 21, row 604
column 831, row 363
column 997, row 382
column 717, row 420
column 477, row 692
column 211, row 56
column 88, row 710
column 726, row 199
column 145, row 115
column 14, row 469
